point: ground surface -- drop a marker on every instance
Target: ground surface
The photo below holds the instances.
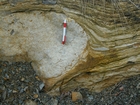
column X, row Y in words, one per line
column 19, row 85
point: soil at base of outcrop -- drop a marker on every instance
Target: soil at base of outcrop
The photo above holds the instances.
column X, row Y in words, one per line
column 19, row 85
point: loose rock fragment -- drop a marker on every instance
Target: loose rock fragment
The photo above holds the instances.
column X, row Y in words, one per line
column 25, row 88
column 15, row 91
column 138, row 86
column 37, row 78
column 35, row 95
column 22, row 79
column 76, row 96
column 41, row 86
column 90, row 97
column 121, row 88
column 7, row 76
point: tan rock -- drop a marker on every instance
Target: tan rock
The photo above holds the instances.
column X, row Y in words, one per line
column 76, row 96
column 35, row 95
column 102, row 45
column 22, row 79
column 15, row 91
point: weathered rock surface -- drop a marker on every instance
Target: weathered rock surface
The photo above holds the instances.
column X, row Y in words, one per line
column 32, row 31
column 38, row 36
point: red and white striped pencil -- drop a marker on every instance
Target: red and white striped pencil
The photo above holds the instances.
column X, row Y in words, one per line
column 64, row 31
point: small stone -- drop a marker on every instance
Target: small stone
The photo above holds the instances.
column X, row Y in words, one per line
column 30, row 102
column 20, row 69
column 131, row 95
column 25, row 88
column 7, row 76
column 131, row 86
column 102, row 99
column 90, row 97
column 15, row 91
column 35, row 95
column 37, row 91
column 41, row 86
column 37, row 78
column 138, row 86
column 76, row 96
column 9, row 90
column 22, row 90
column 22, row 79
column 121, row 88
column 13, row 72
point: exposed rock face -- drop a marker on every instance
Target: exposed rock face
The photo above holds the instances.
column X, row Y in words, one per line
column 32, row 31
column 38, row 35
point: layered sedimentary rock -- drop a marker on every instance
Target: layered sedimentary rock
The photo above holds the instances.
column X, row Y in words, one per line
column 102, row 48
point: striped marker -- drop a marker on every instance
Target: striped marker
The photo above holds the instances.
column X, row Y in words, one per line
column 64, row 32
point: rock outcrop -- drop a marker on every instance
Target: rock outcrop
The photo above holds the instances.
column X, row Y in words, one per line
column 102, row 48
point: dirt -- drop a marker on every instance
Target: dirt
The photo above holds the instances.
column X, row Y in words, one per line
column 20, row 85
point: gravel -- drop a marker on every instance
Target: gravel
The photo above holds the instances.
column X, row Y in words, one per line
column 19, row 85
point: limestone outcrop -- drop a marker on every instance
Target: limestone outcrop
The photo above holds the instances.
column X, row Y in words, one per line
column 102, row 48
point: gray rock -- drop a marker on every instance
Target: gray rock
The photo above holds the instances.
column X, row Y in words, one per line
column 7, row 76
column 41, row 86
column 13, row 72
column 21, row 90
column 22, row 79
column 9, row 90
column 90, row 97
column 25, row 88
column 37, row 91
